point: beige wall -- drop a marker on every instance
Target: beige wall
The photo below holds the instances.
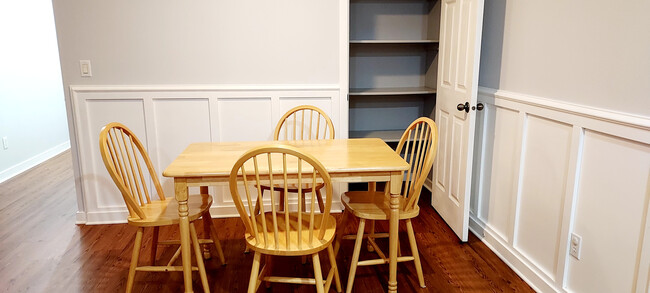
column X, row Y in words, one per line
column 592, row 53
column 199, row 42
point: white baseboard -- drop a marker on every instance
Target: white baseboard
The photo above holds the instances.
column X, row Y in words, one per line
column 33, row 161
column 510, row 257
column 81, row 218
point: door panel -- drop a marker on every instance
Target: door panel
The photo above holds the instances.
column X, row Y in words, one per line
column 442, row 161
column 460, row 45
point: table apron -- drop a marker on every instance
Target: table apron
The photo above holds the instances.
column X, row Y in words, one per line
column 349, row 177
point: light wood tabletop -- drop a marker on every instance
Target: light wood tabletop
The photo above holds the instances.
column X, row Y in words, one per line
column 339, row 156
column 347, row 160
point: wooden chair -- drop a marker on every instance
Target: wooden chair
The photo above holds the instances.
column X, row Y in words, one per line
column 303, row 123
column 418, row 146
column 286, row 233
column 132, row 171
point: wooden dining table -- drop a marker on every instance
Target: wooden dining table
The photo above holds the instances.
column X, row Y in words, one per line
column 347, row 160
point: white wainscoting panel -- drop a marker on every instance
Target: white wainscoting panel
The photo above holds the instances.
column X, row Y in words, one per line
column 498, row 214
column 168, row 118
column 546, row 169
column 251, row 116
column 102, row 192
column 610, row 215
column 177, row 122
column 546, row 150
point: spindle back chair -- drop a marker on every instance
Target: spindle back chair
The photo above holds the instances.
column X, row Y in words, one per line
column 130, row 167
column 283, row 233
column 418, row 146
column 303, row 122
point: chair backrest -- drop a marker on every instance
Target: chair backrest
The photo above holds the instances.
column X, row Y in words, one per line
column 130, row 167
column 418, row 146
column 304, row 123
column 279, row 165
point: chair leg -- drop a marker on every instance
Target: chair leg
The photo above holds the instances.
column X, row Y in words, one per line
column 355, row 255
column 255, row 270
column 399, row 248
column 340, row 231
column 215, row 239
column 154, row 245
column 319, row 198
column 269, row 268
column 371, row 235
column 199, row 259
column 332, row 257
column 257, row 211
column 416, row 254
column 206, row 231
column 134, row 259
column 318, row 274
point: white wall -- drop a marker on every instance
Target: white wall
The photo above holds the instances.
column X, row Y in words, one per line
column 32, row 106
column 592, row 53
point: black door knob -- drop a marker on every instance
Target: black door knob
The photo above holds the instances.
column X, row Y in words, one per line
column 478, row 107
column 463, row 107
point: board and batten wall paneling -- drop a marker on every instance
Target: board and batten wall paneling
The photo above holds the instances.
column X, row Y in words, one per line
column 501, row 193
column 168, row 118
column 546, row 149
column 547, row 169
column 176, row 123
column 249, row 115
column 611, row 215
column 101, row 193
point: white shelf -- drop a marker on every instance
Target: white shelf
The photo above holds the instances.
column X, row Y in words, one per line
column 385, row 135
column 394, row 41
column 392, row 91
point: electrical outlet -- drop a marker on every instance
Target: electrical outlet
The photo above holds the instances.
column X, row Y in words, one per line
column 576, row 243
column 5, row 144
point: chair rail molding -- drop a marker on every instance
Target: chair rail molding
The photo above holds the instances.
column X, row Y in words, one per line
column 167, row 118
column 546, row 169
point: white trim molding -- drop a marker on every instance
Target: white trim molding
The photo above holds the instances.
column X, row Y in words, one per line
column 547, row 170
column 33, row 161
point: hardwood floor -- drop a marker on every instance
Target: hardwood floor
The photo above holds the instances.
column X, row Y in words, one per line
column 42, row 250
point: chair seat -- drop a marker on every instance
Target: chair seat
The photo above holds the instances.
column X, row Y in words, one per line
column 165, row 212
column 293, row 187
column 292, row 249
column 374, row 205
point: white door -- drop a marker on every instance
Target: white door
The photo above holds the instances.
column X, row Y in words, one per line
column 458, row 60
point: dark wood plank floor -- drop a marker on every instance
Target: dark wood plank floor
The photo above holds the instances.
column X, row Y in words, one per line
column 42, row 250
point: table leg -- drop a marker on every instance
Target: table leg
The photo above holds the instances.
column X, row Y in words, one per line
column 206, row 228
column 393, row 230
column 180, row 188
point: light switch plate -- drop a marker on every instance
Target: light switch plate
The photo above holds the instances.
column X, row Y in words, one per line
column 575, row 245
column 84, row 67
